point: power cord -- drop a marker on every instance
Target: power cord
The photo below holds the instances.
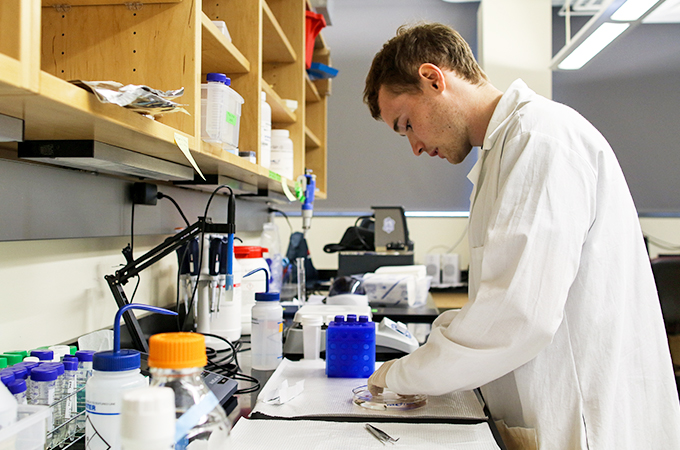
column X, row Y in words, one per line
column 232, row 370
column 161, row 195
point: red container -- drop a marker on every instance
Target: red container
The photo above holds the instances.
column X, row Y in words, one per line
column 314, row 24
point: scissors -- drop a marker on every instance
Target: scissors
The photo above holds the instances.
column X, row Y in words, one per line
column 380, row 435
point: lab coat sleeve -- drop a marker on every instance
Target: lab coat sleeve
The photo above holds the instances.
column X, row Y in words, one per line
column 539, row 221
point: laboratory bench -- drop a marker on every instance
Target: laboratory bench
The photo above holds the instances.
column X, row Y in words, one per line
column 324, row 411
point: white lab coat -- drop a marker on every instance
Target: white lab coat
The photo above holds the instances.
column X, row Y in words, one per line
column 563, row 329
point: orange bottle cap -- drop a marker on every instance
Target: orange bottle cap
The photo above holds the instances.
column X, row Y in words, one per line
column 179, row 350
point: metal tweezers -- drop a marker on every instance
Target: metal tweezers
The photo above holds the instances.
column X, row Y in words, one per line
column 380, row 435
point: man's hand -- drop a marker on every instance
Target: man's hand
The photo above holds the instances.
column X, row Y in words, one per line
column 376, row 383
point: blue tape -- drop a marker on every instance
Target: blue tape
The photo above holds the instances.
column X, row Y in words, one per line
column 191, row 417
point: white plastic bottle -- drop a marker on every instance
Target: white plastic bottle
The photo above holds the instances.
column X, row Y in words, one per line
column 266, row 338
column 176, row 361
column 114, row 373
column 266, row 124
column 250, row 258
column 282, row 153
column 148, row 419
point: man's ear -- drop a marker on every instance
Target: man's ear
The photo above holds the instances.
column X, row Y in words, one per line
column 432, row 77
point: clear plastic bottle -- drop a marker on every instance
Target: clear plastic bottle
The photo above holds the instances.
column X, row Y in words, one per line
column 282, row 154
column 84, row 374
column 43, row 387
column 148, row 419
column 176, row 361
column 70, row 400
column 266, row 144
column 250, row 258
column 58, row 407
column 267, row 331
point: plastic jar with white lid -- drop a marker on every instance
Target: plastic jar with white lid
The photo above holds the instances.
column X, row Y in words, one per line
column 282, row 154
column 250, row 258
column 213, row 107
column 266, row 124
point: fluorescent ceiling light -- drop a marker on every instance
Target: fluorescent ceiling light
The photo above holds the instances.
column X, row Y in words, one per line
column 632, row 10
column 593, row 44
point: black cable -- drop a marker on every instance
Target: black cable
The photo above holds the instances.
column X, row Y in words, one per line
column 181, row 213
column 233, row 373
column 132, row 230
column 132, row 299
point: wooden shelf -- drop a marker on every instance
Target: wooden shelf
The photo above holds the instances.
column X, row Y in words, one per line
column 275, row 44
column 164, row 44
column 311, row 141
column 218, row 54
column 61, row 3
column 280, row 112
column 311, row 91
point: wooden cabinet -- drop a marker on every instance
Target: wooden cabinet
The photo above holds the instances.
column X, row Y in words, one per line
column 165, row 44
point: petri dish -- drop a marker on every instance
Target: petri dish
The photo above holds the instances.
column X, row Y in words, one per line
column 387, row 400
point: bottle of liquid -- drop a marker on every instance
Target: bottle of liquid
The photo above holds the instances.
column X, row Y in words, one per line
column 266, row 123
column 115, row 371
column 43, row 386
column 267, row 331
column 250, row 258
column 84, row 374
column 176, row 361
column 148, row 419
column 70, row 400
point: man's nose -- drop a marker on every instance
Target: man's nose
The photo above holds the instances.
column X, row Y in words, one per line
column 416, row 146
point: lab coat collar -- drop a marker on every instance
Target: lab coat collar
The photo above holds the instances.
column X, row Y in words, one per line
column 517, row 95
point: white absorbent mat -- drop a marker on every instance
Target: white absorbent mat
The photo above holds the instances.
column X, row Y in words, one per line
column 332, row 397
column 318, row 435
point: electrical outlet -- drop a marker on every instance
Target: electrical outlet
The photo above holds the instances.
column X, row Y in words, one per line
column 144, row 194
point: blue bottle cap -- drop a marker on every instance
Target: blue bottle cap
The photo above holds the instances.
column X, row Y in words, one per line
column 70, row 364
column 6, row 376
column 43, row 355
column 219, row 77
column 17, row 387
column 44, row 373
column 227, row 81
column 20, row 371
column 112, row 361
column 85, row 355
column 267, row 297
column 339, row 318
column 57, row 365
column 351, row 317
column 363, row 319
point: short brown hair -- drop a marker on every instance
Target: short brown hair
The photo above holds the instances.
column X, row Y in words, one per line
column 396, row 65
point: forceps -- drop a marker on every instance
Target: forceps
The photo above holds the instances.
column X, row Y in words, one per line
column 380, row 435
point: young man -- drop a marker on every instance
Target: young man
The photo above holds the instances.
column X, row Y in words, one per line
column 563, row 328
